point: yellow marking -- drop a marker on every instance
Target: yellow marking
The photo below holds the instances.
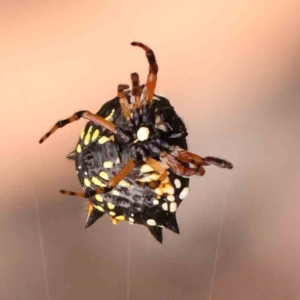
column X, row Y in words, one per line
column 95, row 134
column 151, row 222
column 108, row 164
column 87, row 182
column 112, row 213
column 103, row 139
column 110, row 205
column 120, row 218
column 117, row 160
column 165, row 206
column 131, row 220
column 124, row 183
column 158, row 191
column 166, row 180
column 99, row 207
column 173, row 207
column 155, row 202
column 78, row 149
column 149, row 178
column 168, row 189
column 104, row 175
column 82, row 133
column 90, row 129
column 171, row 198
column 110, row 115
column 116, row 193
column 96, row 181
column 87, row 139
column 99, row 198
column 146, row 168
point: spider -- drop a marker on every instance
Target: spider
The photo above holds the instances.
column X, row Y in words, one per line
column 132, row 159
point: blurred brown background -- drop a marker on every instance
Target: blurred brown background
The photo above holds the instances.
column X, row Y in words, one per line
column 231, row 69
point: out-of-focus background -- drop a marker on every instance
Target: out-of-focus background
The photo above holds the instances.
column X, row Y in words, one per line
column 231, row 69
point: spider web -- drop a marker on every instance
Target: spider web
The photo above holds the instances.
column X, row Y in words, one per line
column 37, row 213
column 214, row 270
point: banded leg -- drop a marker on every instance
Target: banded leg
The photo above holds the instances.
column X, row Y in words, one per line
column 136, row 90
column 81, row 114
column 111, row 184
column 123, row 101
column 153, row 70
column 222, row 163
column 181, row 169
column 196, row 160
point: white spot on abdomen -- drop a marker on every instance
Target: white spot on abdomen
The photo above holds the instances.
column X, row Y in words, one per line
column 143, row 134
column 177, row 183
column 173, row 207
column 184, row 193
column 151, row 222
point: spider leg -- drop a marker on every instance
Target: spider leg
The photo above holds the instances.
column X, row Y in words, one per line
column 222, row 163
column 123, row 173
column 88, row 194
column 159, row 168
column 113, row 182
column 81, row 114
column 196, row 160
column 153, row 69
column 123, row 101
column 179, row 168
column 136, row 90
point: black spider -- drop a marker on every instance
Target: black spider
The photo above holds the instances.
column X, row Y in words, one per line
column 132, row 157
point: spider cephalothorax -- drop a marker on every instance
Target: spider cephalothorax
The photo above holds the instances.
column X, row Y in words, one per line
column 132, row 158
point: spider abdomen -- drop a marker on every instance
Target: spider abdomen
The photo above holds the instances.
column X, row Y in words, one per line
column 100, row 155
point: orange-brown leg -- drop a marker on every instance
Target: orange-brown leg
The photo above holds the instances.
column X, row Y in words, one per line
column 222, row 163
column 111, row 184
column 81, row 114
column 123, row 101
column 159, row 168
column 196, row 160
column 153, row 70
column 136, row 89
column 181, row 169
